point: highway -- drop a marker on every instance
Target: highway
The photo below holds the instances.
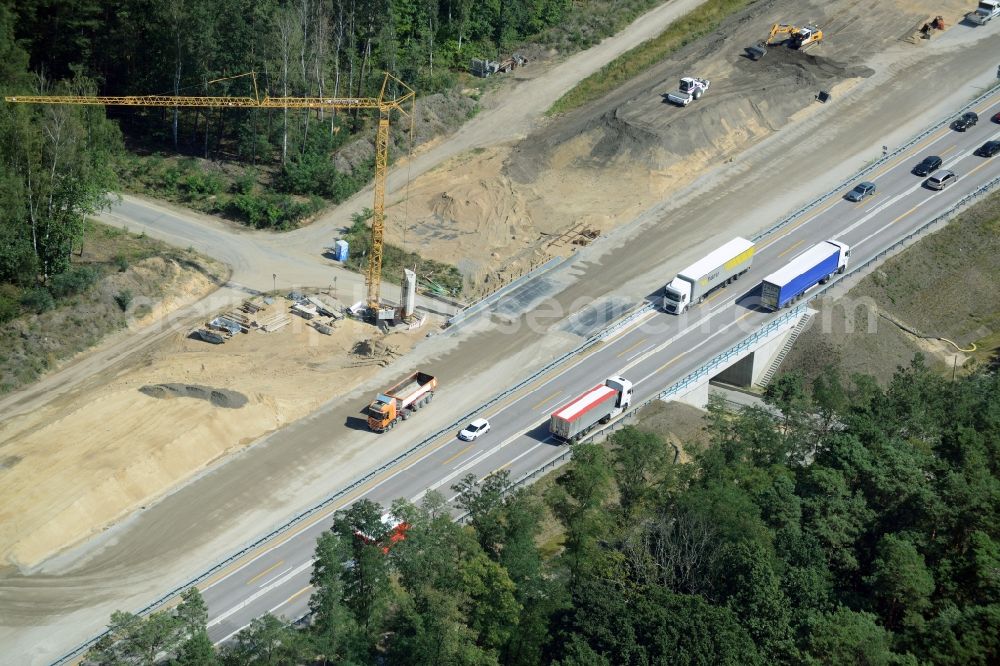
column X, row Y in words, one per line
column 653, row 353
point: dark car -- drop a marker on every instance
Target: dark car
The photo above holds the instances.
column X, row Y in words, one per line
column 861, row 191
column 965, row 121
column 988, row 149
column 996, row 117
column 929, row 165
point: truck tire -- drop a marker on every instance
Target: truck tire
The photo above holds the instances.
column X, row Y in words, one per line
column 697, row 93
column 430, row 396
column 406, row 415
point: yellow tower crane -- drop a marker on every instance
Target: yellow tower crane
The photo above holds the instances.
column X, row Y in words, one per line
column 385, row 106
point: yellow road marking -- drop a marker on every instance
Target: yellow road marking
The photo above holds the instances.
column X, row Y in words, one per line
column 792, row 227
column 909, row 153
column 715, row 294
column 794, row 245
column 905, row 214
column 985, row 162
column 641, row 340
column 948, row 150
column 546, row 399
column 668, row 363
column 296, row 595
column 265, row 571
column 501, row 467
column 465, row 450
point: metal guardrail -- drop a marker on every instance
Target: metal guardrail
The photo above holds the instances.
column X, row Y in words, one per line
column 875, row 165
column 483, row 304
column 610, row 330
column 362, row 480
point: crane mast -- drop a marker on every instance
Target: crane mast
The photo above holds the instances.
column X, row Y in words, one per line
column 384, row 104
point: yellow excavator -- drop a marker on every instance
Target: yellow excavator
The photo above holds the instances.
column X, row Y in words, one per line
column 795, row 37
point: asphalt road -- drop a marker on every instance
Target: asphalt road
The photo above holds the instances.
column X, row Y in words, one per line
column 45, row 610
column 653, row 354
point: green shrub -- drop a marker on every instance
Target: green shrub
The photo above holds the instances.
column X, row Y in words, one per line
column 9, row 309
column 37, row 300
column 121, row 262
column 200, row 184
column 124, row 299
column 74, row 281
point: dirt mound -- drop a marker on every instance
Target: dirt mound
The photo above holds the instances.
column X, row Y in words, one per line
column 218, row 397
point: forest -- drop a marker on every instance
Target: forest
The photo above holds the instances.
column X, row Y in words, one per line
column 267, row 168
column 845, row 524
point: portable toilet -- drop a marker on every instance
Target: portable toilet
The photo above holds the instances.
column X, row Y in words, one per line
column 340, row 250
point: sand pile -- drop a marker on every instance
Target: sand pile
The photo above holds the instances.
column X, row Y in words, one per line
column 90, row 458
column 495, row 213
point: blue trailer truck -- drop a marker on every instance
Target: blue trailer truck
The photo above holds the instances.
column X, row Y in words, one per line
column 814, row 266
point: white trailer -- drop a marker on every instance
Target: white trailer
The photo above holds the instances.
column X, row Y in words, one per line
column 718, row 269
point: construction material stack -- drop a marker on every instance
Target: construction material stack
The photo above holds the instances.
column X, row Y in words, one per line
column 598, row 405
column 399, row 402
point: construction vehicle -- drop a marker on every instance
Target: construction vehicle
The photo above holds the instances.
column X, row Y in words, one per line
column 984, row 13
column 598, row 405
column 394, row 530
column 718, row 269
column 814, row 266
column 690, row 88
column 399, row 402
column 795, row 37
column 384, row 103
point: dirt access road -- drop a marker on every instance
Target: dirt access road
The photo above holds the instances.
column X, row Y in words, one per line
column 71, row 595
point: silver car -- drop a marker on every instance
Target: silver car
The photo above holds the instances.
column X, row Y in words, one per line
column 941, row 179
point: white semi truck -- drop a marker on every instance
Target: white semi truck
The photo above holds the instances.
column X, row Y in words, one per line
column 719, row 268
column 598, row 405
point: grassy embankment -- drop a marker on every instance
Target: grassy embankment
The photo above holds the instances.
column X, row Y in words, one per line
column 944, row 286
column 117, row 277
column 630, row 64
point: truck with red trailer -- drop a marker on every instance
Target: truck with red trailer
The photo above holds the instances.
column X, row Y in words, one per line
column 400, row 401
column 598, row 405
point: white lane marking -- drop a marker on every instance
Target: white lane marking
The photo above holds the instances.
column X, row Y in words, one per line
column 702, row 343
column 640, row 352
column 552, row 406
column 270, row 580
column 469, row 463
column 261, row 592
column 668, row 342
column 511, row 462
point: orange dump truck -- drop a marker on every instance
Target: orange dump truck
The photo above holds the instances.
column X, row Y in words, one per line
column 400, row 401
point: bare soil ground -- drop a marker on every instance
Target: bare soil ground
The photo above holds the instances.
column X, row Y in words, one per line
column 89, row 458
column 944, row 286
column 503, row 210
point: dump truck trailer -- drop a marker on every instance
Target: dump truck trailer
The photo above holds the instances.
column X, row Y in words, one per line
column 719, row 268
column 398, row 402
column 598, row 405
column 984, row 13
column 814, row 266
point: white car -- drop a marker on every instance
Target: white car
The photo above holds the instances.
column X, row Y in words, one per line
column 474, row 430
